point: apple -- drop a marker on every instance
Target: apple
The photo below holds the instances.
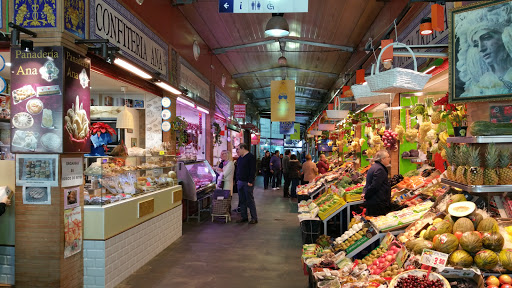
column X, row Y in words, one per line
column 505, row 279
column 492, row 280
column 506, row 286
column 389, row 258
column 493, row 286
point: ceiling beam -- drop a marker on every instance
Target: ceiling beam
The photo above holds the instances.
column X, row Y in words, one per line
column 250, row 73
column 296, row 87
column 296, row 96
column 223, row 50
column 326, row 45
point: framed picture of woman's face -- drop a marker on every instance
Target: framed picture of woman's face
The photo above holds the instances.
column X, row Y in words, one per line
column 480, row 52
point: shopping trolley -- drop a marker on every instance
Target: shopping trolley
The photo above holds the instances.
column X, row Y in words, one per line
column 221, row 204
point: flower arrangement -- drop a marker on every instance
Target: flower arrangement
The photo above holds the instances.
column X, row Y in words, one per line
column 216, row 133
column 101, row 135
column 180, row 125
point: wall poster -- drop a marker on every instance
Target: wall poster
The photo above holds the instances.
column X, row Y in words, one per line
column 37, row 194
column 39, row 169
column 71, row 197
column 72, row 231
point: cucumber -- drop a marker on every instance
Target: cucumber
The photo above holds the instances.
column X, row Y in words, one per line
column 484, row 128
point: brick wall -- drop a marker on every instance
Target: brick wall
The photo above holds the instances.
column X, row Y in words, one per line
column 107, row 263
column 7, row 265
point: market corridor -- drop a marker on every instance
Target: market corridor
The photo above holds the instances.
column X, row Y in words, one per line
column 216, row 254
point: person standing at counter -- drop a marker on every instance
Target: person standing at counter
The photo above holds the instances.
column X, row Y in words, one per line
column 322, row 164
column 275, row 169
column 265, row 169
column 226, row 171
column 377, row 191
column 245, row 174
column 310, row 170
column 5, row 201
column 294, row 170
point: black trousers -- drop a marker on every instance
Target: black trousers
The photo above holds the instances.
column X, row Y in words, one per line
column 377, row 209
column 287, row 182
column 266, row 178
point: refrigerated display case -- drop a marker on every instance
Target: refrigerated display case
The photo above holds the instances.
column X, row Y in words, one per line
column 198, row 179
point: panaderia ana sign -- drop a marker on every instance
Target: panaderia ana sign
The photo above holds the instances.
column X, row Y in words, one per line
column 110, row 20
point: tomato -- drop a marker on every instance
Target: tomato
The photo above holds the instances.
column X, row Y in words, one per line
column 505, row 279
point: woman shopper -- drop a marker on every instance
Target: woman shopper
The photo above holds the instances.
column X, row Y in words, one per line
column 226, row 172
column 294, row 173
column 310, row 170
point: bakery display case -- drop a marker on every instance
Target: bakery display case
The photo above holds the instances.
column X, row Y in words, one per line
column 198, row 179
column 111, row 179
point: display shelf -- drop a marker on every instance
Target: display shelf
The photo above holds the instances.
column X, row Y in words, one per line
column 346, row 206
column 478, row 188
column 481, row 139
column 126, row 171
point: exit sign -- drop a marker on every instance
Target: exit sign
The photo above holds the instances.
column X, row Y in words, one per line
column 263, row 6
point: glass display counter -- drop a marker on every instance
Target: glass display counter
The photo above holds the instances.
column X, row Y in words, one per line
column 198, row 179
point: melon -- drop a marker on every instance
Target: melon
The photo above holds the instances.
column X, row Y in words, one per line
column 438, row 228
column 425, row 244
column 471, row 242
column 493, row 241
column 463, row 225
column 460, row 258
column 450, row 219
column 506, row 259
column 446, row 243
column 411, row 243
column 461, row 209
column 475, row 218
column 486, row 259
column 488, row 225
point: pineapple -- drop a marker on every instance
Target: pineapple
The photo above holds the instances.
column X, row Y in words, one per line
column 491, row 159
column 460, row 173
column 436, row 118
column 450, row 157
column 475, row 173
column 504, row 172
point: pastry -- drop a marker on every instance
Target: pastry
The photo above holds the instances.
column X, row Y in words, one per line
column 76, row 121
column 22, row 120
column 51, row 141
column 37, row 192
column 47, row 119
column 34, row 106
column 23, row 93
column 48, row 90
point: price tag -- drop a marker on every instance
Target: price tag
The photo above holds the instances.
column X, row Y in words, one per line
column 434, row 259
column 162, row 152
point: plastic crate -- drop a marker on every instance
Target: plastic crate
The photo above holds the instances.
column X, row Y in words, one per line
column 331, row 210
column 352, row 197
column 310, row 230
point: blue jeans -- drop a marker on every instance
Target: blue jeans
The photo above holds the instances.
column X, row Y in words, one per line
column 246, row 197
column 295, row 183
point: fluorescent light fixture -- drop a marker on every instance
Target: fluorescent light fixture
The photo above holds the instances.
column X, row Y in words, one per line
column 220, row 116
column 203, row 110
column 168, row 87
column 130, row 67
column 186, row 102
column 8, row 64
column 430, row 69
column 419, row 94
column 362, row 109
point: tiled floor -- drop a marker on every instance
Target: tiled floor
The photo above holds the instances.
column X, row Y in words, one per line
column 216, row 254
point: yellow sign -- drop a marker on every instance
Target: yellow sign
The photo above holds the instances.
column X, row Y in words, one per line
column 282, row 101
column 296, row 132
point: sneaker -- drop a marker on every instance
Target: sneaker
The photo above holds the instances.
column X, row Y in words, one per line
column 243, row 220
column 275, row 188
column 253, row 221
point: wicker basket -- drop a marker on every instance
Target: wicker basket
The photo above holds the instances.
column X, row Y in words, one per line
column 337, row 114
column 397, row 80
column 315, row 132
column 326, row 127
column 221, row 208
column 363, row 95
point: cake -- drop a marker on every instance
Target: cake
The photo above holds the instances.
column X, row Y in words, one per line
column 47, row 118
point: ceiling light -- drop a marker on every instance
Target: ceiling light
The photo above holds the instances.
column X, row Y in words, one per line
column 186, row 102
column 282, row 61
column 8, row 64
column 426, row 26
column 124, row 119
column 168, row 87
column 130, row 67
column 203, row 110
column 277, row 26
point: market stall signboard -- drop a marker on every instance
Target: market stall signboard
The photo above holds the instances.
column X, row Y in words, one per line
column 50, row 101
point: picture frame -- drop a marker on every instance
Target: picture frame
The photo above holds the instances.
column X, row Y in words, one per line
column 71, row 197
column 37, row 194
column 37, row 169
column 480, row 52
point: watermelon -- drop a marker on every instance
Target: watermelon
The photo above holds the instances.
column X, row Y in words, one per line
column 486, row 259
column 471, row 242
column 460, row 258
column 418, row 248
column 446, row 243
column 463, row 225
column 506, row 258
column 488, row 225
column 493, row 241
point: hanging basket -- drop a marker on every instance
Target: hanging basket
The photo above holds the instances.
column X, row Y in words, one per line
column 326, row 127
column 363, row 95
column 397, row 80
column 315, row 132
column 337, row 114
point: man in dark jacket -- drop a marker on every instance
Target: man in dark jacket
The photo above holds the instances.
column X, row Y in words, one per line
column 377, row 191
column 265, row 169
column 285, row 168
column 275, row 169
column 245, row 174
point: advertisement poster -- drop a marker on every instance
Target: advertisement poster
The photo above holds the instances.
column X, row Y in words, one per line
column 72, row 172
column 296, row 132
column 36, row 102
column 239, row 110
column 37, row 194
column 39, row 169
column 286, row 128
column 282, row 100
column 71, row 197
column 77, row 99
column 72, row 231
